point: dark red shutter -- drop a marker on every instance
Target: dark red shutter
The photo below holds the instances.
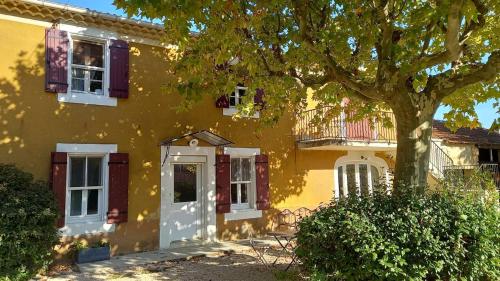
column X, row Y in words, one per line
column 118, row 188
column 222, row 102
column 56, row 60
column 262, row 181
column 259, row 98
column 223, row 183
column 118, row 76
column 58, row 182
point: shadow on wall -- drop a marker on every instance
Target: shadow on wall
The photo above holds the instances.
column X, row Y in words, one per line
column 13, row 107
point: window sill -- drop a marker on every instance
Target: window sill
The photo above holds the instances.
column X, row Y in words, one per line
column 242, row 214
column 86, row 99
column 231, row 111
column 73, row 229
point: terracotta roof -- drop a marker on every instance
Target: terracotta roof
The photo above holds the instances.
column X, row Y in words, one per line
column 480, row 136
column 54, row 12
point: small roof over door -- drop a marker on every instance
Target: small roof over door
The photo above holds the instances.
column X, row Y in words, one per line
column 203, row 135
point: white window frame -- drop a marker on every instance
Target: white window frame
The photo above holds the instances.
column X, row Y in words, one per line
column 104, row 68
column 101, row 204
column 237, row 97
column 250, row 184
column 356, row 158
column 247, row 211
column 95, row 223
column 90, row 35
column 232, row 110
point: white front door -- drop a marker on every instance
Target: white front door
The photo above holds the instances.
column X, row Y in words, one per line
column 185, row 202
column 187, row 210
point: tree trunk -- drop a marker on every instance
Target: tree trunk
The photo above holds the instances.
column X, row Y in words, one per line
column 414, row 131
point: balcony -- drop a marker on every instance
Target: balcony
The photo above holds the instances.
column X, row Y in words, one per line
column 317, row 129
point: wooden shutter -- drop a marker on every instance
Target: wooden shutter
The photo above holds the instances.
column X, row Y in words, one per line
column 223, row 183
column 222, row 102
column 259, row 98
column 56, row 60
column 58, row 182
column 262, row 181
column 119, row 69
column 118, row 188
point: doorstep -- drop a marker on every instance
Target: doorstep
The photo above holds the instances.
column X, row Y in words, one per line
column 130, row 262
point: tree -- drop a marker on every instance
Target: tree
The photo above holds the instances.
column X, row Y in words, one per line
column 410, row 56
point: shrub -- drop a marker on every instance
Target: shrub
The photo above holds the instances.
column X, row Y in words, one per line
column 449, row 234
column 27, row 224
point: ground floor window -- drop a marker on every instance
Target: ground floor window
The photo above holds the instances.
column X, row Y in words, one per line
column 85, row 188
column 361, row 177
column 241, row 180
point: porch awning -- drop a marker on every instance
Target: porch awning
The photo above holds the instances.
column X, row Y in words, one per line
column 203, row 135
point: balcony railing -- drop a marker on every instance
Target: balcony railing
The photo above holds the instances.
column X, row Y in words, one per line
column 321, row 124
column 464, row 171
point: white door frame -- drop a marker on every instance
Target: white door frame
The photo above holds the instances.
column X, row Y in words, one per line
column 184, row 154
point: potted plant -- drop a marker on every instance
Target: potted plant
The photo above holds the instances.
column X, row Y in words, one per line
column 94, row 252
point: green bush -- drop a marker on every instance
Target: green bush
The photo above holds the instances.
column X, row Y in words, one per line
column 449, row 234
column 27, row 224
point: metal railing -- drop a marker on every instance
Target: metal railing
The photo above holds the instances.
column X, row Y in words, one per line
column 467, row 170
column 439, row 160
column 328, row 124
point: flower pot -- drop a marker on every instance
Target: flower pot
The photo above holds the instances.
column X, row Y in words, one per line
column 93, row 254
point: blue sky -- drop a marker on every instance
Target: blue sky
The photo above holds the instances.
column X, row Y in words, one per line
column 485, row 111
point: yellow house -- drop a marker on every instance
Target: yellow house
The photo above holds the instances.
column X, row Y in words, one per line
column 83, row 106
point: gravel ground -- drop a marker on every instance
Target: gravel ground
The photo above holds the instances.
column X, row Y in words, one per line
column 238, row 266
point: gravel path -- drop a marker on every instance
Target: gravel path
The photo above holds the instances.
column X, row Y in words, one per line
column 238, row 266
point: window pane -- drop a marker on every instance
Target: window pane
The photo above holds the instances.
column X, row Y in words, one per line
column 245, row 167
column 86, row 53
column 77, row 73
column 184, row 183
column 363, row 179
column 77, row 175
column 94, row 171
column 235, row 169
column 232, row 99
column 234, row 193
column 375, row 179
column 242, row 93
column 351, row 179
column 77, row 84
column 92, row 201
column 96, row 75
column 340, row 174
column 76, row 203
column 244, row 193
column 96, row 87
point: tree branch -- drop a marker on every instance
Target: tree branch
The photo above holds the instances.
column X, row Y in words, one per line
column 473, row 26
column 453, row 48
column 444, row 84
column 334, row 71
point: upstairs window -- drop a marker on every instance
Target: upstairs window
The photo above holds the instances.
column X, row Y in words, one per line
column 241, row 182
column 236, row 97
column 88, row 67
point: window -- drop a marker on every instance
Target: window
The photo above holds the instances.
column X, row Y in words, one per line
column 85, row 188
column 241, row 181
column 185, row 182
column 87, row 67
column 236, row 97
column 360, row 173
column 357, row 178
